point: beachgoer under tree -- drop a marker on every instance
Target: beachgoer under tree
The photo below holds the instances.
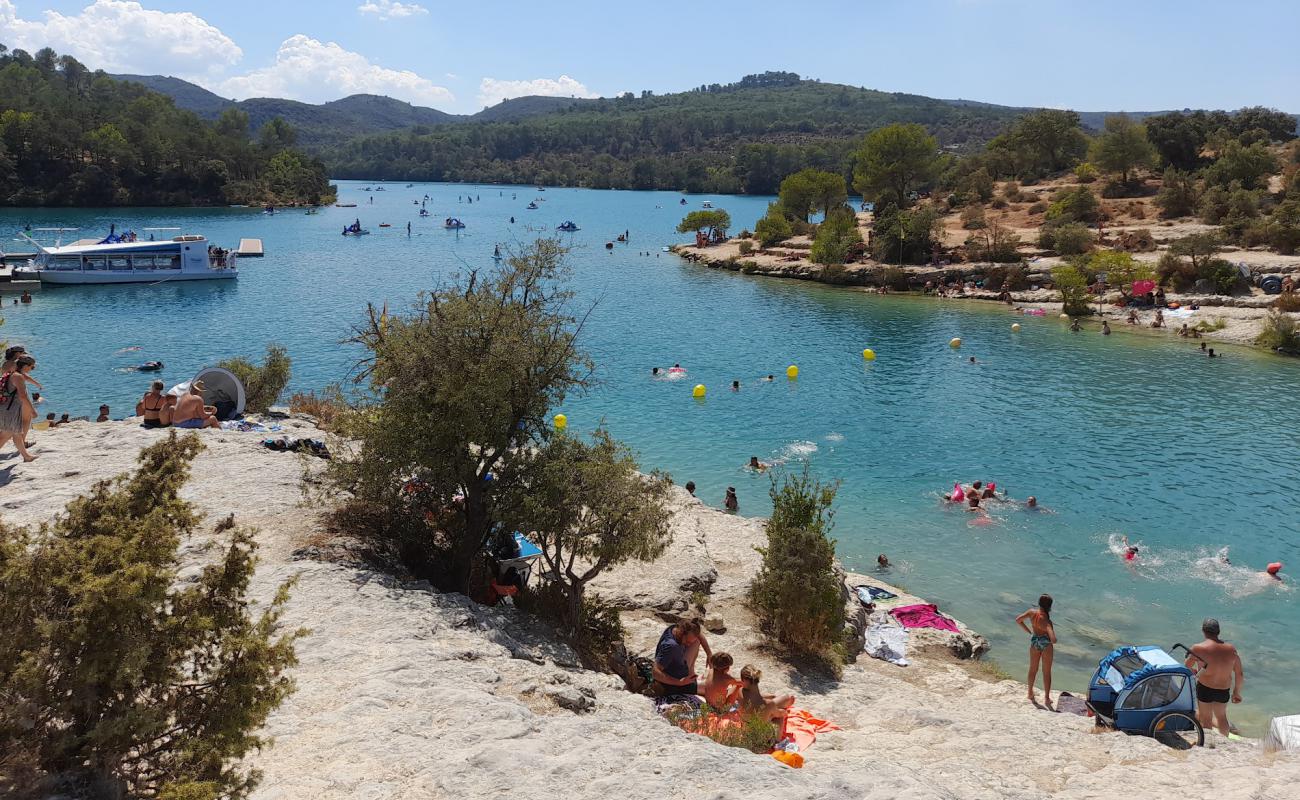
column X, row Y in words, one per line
column 1219, row 677
column 1042, row 641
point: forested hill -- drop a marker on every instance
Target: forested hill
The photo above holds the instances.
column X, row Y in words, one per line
column 70, row 136
column 316, row 125
column 721, row 138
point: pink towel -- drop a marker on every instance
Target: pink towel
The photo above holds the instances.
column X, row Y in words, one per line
column 924, row 615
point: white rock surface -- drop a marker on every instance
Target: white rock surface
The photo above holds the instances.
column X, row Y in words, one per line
column 403, row 693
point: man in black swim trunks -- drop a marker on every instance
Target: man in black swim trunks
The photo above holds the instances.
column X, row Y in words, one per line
column 674, row 668
column 1216, row 664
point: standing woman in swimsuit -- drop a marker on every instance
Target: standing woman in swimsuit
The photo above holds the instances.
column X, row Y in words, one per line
column 1042, row 637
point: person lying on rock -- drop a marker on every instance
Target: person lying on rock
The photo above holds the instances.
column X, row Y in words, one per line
column 674, row 668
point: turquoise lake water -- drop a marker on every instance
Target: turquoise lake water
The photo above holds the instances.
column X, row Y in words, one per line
column 1120, row 435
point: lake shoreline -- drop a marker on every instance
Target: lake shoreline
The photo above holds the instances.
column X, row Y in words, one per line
column 1242, row 317
column 396, row 681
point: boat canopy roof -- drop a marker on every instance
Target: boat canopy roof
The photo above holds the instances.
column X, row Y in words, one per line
column 166, row 245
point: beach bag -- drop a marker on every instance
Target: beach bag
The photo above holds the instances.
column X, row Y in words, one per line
column 8, row 394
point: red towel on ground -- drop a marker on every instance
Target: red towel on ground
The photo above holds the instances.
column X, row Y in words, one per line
column 924, row 615
column 802, row 728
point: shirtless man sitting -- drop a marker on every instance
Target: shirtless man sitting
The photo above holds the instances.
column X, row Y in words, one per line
column 1215, row 677
column 190, row 411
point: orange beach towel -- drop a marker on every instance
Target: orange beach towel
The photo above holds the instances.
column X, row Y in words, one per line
column 802, row 728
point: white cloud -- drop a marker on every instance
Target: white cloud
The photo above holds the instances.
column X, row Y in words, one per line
column 391, row 9
column 313, row 71
column 492, row 91
column 123, row 36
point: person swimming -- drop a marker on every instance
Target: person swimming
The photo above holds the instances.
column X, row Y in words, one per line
column 756, row 465
column 1031, row 502
column 654, row 371
column 974, row 500
column 1273, row 569
column 882, row 562
column 735, row 386
column 769, row 379
column 1130, row 550
column 1105, row 328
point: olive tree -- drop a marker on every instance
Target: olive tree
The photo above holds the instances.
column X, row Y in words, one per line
column 462, row 388
column 716, row 221
column 589, row 509
column 1122, row 147
column 810, row 190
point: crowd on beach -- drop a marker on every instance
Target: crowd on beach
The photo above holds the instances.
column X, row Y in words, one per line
column 21, row 394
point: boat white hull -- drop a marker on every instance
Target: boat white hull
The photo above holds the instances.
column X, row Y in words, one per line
column 72, row 278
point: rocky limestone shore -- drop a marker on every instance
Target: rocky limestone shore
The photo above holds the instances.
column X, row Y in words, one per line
column 406, row 693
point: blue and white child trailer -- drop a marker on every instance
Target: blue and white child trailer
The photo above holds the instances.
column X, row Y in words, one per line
column 1146, row 691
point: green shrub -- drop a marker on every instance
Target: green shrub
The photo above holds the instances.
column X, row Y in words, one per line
column 1178, row 196
column 1068, row 238
column 1038, row 207
column 1013, row 277
column 1175, row 273
column 1287, row 302
column 972, row 218
column 1085, row 173
column 836, row 236
column 1279, row 333
column 994, row 243
column 773, row 227
column 1011, row 192
column 1073, row 285
column 1227, row 278
column 1284, row 227
column 1074, row 204
column 262, row 383
column 117, row 679
column 754, row 733
column 798, row 592
column 746, row 247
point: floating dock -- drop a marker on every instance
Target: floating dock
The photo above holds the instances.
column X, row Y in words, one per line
column 250, row 248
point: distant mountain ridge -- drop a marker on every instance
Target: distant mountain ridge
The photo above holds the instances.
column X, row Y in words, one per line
column 354, row 115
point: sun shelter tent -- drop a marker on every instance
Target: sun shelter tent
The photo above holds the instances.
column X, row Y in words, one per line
column 221, row 389
column 1283, row 734
column 523, row 563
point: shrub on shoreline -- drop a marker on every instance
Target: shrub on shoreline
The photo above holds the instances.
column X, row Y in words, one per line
column 798, row 592
column 1280, row 332
column 263, row 382
column 115, row 678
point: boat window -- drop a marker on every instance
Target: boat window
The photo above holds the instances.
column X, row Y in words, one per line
column 142, row 262
column 64, row 263
column 168, row 262
column 119, row 262
column 96, row 262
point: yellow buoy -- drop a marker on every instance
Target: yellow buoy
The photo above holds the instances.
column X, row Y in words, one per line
column 955, row 342
column 561, row 422
column 869, row 354
column 792, row 372
column 699, row 390
column 1015, row 326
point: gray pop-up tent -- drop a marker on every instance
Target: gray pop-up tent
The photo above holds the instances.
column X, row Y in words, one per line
column 221, row 389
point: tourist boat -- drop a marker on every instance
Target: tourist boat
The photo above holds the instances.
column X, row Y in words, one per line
column 541, row 188
column 706, row 204
column 345, row 205
column 532, row 206
column 568, row 226
column 453, row 223
column 181, row 258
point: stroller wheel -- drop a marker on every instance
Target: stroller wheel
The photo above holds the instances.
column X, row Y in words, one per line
column 1178, row 729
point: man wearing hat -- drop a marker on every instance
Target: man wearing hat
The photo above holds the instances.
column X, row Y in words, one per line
column 190, row 411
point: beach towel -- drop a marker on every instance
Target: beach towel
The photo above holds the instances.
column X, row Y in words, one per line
column 869, row 593
column 887, row 643
column 1179, row 313
column 802, row 728
column 923, row 615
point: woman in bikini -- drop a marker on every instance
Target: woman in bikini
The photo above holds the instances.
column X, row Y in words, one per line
column 155, row 407
column 1042, row 638
column 16, row 409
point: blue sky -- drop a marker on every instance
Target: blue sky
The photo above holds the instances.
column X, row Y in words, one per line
column 1103, row 55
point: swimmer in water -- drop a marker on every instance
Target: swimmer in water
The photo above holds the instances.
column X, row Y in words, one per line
column 972, row 359
column 655, row 372
column 769, row 379
column 882, row 562
column 1032, row 502
column 756, row 465
column 990, row 492
column 1075, row 327
column 975, row 504
column 731, row 502
column 735, row 386
column 1105, row 328
column 1273, row 570
column 1130, row 551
